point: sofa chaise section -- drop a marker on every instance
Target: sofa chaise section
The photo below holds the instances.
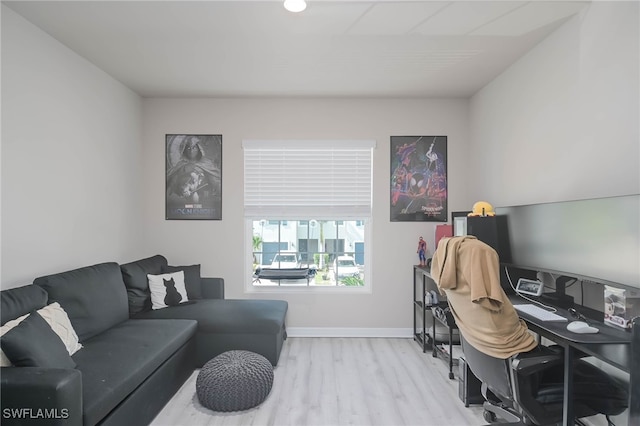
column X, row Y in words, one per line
column 223, row 324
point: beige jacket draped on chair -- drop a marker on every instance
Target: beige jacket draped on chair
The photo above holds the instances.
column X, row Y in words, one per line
column 467, row 271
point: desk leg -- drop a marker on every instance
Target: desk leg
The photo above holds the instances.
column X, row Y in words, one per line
column 567, row 408
column 424, row 326
column 434, row 350
column 451, row 376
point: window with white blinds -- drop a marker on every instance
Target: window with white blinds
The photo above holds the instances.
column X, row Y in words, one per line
column 302, row 178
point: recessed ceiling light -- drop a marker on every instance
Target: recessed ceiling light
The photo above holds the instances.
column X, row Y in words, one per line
column 295, row 5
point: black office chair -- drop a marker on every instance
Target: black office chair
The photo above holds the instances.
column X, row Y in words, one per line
column 528, row 388
column 634, row 409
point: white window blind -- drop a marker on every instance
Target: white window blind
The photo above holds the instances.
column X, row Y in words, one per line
column 307, row 178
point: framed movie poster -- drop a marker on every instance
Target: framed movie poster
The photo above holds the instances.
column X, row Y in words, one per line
column 193, row 177
column 418, row 178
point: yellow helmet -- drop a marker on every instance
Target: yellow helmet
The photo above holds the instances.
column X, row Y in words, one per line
column 482, row 208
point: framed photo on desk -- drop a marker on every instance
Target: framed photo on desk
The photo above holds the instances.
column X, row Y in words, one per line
column 459, row 222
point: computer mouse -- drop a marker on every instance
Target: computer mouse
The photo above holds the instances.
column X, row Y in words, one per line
column 581, row 327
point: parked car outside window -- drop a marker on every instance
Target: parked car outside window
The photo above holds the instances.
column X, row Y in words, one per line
column 345, row 266
column 285, row 260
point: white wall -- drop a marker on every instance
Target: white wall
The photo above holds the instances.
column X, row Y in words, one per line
column 562, row 123
column 219, row 245
column 71, row 192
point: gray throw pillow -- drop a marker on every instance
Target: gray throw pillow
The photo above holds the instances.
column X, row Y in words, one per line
column 191, row 279
column 135, row 279
column 33, row 343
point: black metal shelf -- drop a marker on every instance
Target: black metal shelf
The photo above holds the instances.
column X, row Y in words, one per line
column 422, row 282
column 440, row 352
column 419, row 315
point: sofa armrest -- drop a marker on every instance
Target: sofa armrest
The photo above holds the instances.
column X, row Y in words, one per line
column 212, row 288
column 41, row 396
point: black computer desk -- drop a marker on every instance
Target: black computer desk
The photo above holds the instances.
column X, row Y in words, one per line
column 610, row 345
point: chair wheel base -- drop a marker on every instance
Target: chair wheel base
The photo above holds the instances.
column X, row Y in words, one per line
column 488, row 416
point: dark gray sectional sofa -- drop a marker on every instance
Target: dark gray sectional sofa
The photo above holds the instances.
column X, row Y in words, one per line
column 133, row 358
column 223, row 324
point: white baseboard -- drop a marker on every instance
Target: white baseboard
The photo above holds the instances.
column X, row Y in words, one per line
column 349, row 332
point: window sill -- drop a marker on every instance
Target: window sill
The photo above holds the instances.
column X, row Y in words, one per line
column 304, row 289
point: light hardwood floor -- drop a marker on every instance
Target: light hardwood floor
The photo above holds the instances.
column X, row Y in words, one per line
column 342, row 381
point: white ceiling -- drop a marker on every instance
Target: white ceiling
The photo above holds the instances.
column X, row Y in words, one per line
column 358, row 48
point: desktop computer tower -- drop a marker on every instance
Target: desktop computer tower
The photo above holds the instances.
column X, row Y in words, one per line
column 491, row 230
column 469, row 386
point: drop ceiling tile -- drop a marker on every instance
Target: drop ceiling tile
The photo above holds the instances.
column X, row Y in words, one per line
column 530, row 17
column 325, row 18
column 395, row 18
column 459, row 18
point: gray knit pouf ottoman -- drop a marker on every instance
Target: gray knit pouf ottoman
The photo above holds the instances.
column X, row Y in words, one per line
column 234, row 381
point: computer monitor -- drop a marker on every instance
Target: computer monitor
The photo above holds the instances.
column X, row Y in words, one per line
column 597, row 239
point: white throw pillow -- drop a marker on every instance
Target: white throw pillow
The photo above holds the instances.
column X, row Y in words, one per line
column 59, row 322
column 167, row 290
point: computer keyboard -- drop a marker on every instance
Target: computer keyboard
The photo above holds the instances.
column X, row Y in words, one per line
column 538, row 312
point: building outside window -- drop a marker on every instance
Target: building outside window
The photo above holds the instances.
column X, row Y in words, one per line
column 334, row 250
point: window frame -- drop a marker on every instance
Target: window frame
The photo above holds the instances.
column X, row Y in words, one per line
column 342, row 161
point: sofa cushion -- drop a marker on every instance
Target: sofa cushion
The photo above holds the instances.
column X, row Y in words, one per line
column 191, row 279
column 94, row 297
column 135, row 279
column 116, row 362
column 19, row 301
column 33, row 343
column 167, row 290
column 59, row 322
column 229, row 316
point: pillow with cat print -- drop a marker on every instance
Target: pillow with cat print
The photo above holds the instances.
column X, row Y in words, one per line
column 167, row 290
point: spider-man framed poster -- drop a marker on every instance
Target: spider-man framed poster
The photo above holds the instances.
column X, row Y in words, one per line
column 418, row 179
column 193, row 177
